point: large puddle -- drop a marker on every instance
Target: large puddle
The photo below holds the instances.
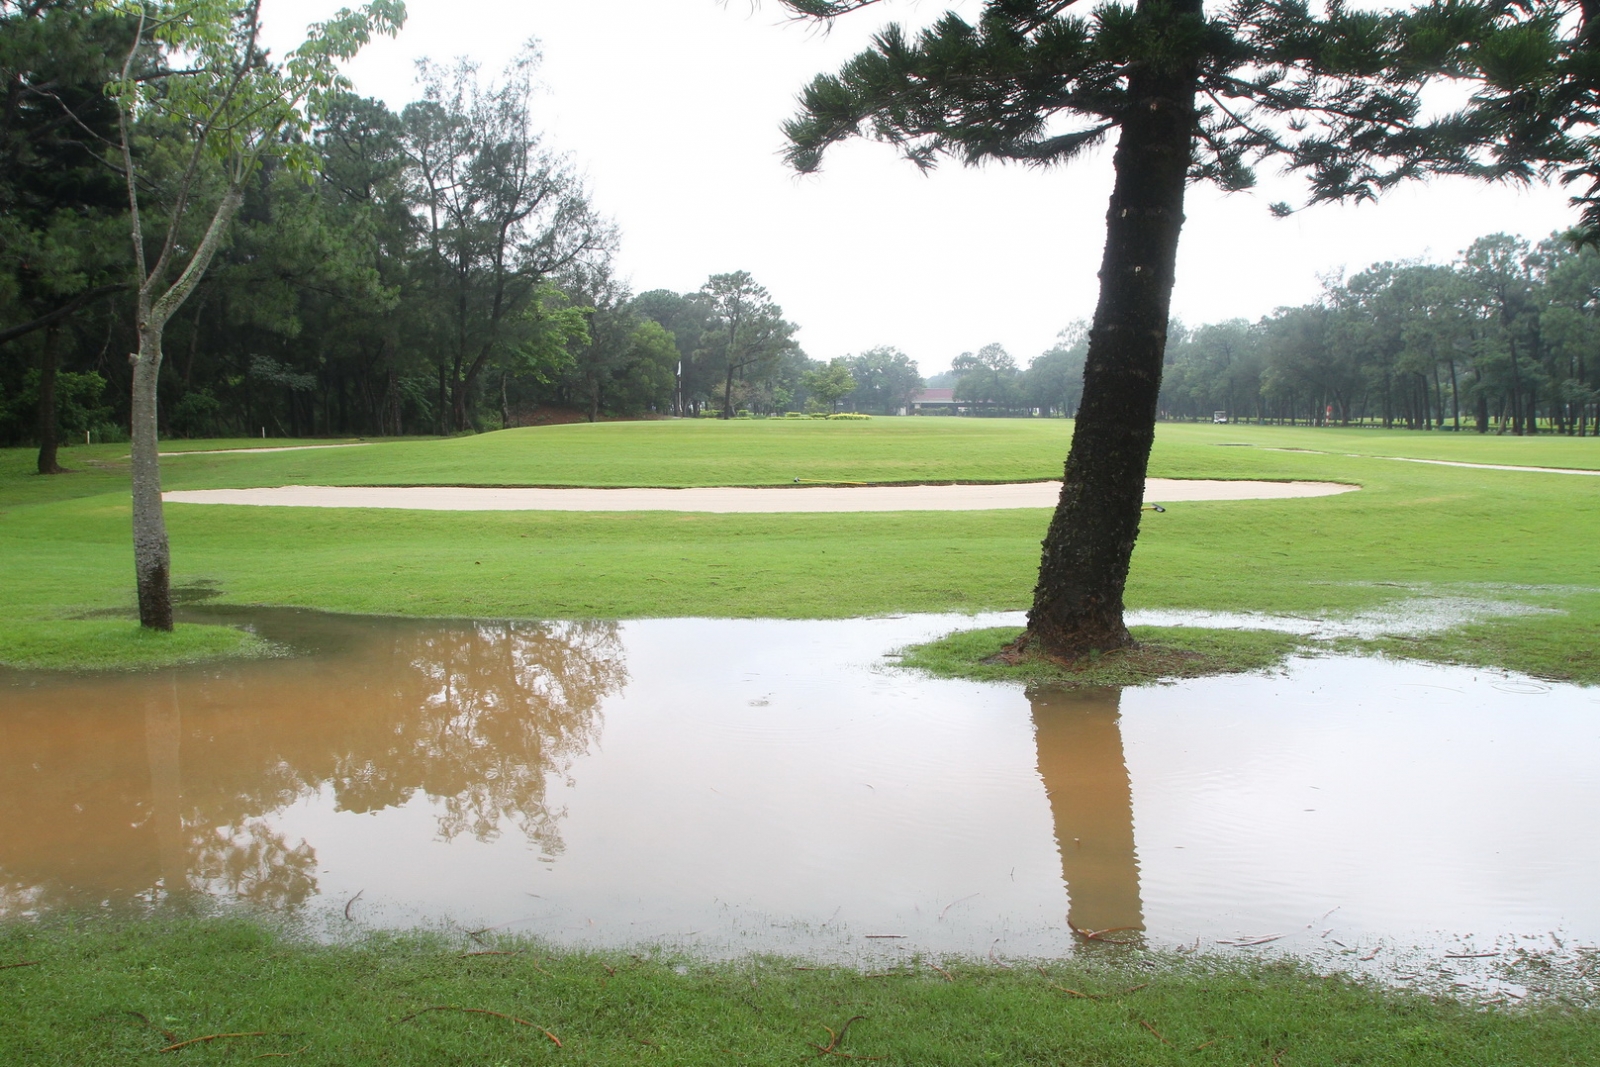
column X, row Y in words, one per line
column 739, row 786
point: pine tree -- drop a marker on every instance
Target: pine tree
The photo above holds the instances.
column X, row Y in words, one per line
column 1190, row 97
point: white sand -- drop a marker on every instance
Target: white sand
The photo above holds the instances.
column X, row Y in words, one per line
column 777, row 499
column 269, row 448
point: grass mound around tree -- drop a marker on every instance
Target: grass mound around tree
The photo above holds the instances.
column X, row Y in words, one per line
column 1165, row 654
column 120, row 644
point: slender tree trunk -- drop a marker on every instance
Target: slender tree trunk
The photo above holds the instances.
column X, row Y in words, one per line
column 49, row 439
column 1516, row 394
column 444, row 401
column 1077, row 604
column 152, row 562
column 727, row 394
column 1455, row 398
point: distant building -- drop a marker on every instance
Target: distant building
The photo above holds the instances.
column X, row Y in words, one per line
column 935, row 402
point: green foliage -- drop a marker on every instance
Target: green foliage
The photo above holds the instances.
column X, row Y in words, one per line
column 848, row 416
column 988, row 379
column 745, row 336
column 829, row 384
column 79, row 405
column 243, row 107
column 1498, row 340
column 1334, row 94
column 886, row 381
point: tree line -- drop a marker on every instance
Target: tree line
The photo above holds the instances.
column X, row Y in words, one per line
column 1504, row 339
column 432, row 270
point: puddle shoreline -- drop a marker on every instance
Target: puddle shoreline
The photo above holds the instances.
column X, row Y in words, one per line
column 738, row 787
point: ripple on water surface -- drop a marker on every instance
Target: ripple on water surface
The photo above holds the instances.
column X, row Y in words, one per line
column 780, row 785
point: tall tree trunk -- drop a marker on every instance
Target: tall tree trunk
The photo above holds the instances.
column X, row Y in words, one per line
column 1455, row 398
column 727, row 394
column 1516, row 394
column 1077, row 604
column 48, row 436
column 152, row 561
column 442, row 413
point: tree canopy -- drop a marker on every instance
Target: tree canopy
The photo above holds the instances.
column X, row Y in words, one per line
column 1332, row 94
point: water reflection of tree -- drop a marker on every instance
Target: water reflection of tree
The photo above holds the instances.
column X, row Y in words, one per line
column 252, row 863
column 123, row 784
column 495, row 709
column 1079, row 737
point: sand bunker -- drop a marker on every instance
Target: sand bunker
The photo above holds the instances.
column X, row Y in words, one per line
column 735, row 499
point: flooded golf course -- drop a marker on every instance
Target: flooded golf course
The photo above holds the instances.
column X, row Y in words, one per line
column 734, row 786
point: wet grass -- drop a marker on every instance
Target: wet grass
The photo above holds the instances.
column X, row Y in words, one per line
column 1165, row 654
column 119, row 644
column 101, row 992
column 1414, row 531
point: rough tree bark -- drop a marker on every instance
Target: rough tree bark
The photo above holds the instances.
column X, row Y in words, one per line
column 48, row 436
column 1077, row 604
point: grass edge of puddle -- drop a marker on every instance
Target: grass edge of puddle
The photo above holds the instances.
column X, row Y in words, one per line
column 1165, row 654
column 120, row 644
column 97, row 990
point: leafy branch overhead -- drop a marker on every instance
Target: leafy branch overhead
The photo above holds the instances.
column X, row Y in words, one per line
column 1336, row 95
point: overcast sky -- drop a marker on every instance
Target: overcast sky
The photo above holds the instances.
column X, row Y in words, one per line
column 671, row 108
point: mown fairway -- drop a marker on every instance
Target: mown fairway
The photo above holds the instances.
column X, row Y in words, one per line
column 1414, row 530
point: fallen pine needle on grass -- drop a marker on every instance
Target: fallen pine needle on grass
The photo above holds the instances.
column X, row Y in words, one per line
column 1154, row 1031
column 24, row 963
column 483, row 1011
column 835, row 1039
column 214, row 1037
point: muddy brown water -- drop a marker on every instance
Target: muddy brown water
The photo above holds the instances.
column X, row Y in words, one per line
column 738, row 786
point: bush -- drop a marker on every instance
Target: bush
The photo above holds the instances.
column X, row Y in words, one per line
column 848, row 416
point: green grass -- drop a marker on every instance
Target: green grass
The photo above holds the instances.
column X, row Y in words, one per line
column 119, row 644
column 102, row 992
column 1413, row 531
column 1165, row 653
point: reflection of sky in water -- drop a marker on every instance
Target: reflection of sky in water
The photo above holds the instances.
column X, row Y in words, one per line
column 752, row 785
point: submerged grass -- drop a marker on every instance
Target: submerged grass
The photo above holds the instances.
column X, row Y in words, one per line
column 1165, row 654
column 1413, row 529
column 231, row 991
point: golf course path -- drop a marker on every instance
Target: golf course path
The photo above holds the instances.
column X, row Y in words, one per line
column 948, row 497
column 1493, row 466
